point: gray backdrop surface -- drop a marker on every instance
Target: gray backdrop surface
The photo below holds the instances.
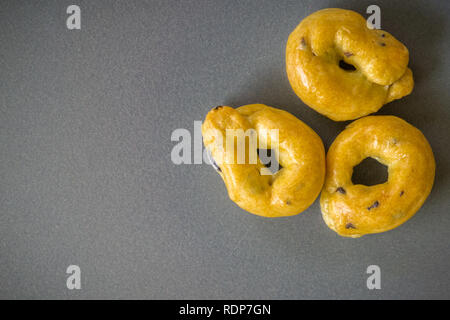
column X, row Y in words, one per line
column 86, row 118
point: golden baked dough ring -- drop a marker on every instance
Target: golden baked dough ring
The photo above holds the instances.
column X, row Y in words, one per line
column 301, row 154
column 330, row 38
column 354, row 210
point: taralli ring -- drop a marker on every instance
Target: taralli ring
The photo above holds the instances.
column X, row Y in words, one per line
column 344, row 70
column 355, row 210
column 250, row 184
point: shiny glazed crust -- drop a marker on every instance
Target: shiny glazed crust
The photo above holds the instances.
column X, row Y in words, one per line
column 355, row 210
column 301, row 154
column 323, row 39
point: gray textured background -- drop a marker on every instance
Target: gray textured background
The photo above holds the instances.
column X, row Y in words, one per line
column 85, row 171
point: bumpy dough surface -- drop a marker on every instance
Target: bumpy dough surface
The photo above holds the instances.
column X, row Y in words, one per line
column 354, row 210
column 315, row 49
column 301, row 154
